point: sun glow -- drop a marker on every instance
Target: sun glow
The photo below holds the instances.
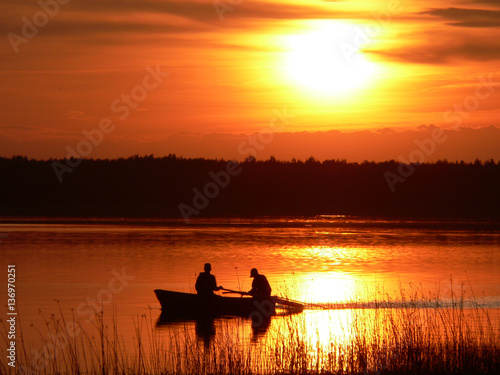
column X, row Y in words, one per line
column 329, row 59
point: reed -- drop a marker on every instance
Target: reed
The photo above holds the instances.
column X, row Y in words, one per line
column 416, row 334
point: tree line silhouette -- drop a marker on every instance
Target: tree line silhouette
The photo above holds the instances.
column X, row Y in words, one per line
column 148, row 186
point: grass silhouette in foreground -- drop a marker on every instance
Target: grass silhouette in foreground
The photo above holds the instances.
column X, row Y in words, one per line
column 419, row 338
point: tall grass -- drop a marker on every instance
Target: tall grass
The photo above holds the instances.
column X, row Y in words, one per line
column 410, row 336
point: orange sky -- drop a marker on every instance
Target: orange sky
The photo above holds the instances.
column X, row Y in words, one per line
column 346, row 66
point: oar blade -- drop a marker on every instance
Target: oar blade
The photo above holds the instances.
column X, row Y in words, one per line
column 288, row 303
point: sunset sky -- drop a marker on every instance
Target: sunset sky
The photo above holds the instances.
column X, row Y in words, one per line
column 373, row 72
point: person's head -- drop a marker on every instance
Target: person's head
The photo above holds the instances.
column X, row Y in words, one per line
column 208, row 267
column 254, row 272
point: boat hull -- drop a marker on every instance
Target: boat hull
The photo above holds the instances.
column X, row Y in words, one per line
column 195, row 306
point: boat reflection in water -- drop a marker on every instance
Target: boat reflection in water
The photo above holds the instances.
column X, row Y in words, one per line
column 205, row 327
column 203, row 311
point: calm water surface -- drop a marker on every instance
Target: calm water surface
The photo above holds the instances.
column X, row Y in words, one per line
column 74, row 264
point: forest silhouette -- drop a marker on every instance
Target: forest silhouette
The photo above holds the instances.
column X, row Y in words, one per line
column 148, row 186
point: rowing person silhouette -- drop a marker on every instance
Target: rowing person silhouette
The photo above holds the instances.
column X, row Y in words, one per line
column 261, row 290
column 205, row 283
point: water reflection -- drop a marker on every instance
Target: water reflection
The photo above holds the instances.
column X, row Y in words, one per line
column 260, row 325
column 325, row 260
column 349, row 340
column 205, row 328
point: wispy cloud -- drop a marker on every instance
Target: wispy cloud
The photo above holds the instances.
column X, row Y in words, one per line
column 151, row 16
column 451, row 35
column 467, row 17
column 379, row 145
column 199, row 11
column 444, row 52
column 204, row 11
column 494, row 3
column 225, row 74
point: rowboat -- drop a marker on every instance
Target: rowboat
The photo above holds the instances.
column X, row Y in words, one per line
column 193, row 306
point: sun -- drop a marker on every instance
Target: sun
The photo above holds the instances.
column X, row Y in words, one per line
column 329, row 59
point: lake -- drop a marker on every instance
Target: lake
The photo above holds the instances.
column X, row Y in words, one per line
column 74, row 267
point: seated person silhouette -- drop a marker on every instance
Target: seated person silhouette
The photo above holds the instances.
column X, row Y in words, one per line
column 205, row 283
column 261, row 290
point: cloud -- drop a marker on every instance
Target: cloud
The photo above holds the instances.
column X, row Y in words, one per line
column 25, row 136
column 451, row 44
column 205, row 11
column 385, row 131
column 443, row 52
column 200, row 11
column 485, row 2
column 384, row 144
column 162, row 16
column 79, row 115
column 467, row 17
column 113, row 22
column 461, row 144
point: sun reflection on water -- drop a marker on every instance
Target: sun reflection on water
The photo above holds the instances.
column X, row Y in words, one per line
column 331, row 287
column 331, row 275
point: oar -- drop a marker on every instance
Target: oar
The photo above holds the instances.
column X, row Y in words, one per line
column 286, row 302
column 227, row 291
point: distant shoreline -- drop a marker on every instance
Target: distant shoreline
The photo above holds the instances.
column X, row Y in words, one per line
column 191, row 189
column 268, row 221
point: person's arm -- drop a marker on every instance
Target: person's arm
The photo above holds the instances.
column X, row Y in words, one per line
column 197, row 284
column 253, row 290
column 214, row 285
